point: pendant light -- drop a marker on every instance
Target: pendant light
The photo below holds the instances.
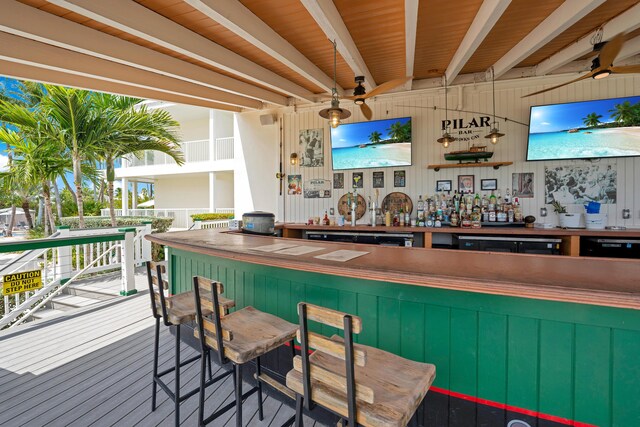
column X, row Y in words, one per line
column 334, row 114
column 446, row 137
column 494, row 134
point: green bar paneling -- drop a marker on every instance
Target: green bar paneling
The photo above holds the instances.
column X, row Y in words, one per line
column 572, row 361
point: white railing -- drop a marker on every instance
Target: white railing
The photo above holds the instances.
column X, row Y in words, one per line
column 181, row 216
column 194, row 152
column 201, row 225
column 69, row 255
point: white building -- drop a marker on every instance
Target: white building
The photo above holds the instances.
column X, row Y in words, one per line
column 214, row 177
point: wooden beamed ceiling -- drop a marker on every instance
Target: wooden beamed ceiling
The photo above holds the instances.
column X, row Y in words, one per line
column 252, row 54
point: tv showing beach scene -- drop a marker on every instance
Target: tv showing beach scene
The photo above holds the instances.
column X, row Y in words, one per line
column 585, row 130
column 374, row 144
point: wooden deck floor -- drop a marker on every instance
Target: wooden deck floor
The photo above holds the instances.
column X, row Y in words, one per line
column 94, row 369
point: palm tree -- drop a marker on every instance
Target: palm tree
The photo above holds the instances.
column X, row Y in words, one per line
column 396, row 131
column 375, row 137
column 130, row 128
column 623, row 113
column 592, row 120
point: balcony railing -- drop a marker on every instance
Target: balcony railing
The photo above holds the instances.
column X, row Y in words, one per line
column 181, row 216
column 194, row 152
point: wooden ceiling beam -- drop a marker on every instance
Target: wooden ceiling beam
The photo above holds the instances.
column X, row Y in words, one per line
column 486, row 18
column 410, row 31
column 29, row 22
column 625, row 22
column 22, row 71
column 328, row 18
column 562, row 18
column 27, row 51
column 237, row 18
column 137, row 20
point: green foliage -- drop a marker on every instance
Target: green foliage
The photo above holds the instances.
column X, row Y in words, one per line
column 91, row 205
column 558, row 207
column 158, row 224
column 36, row 233
column 592, row 119
column 375, row 137
column 399, row 132
column 212, row 216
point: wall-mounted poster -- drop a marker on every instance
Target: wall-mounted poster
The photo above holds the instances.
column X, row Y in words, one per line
column 311, row 148
column 294, row 186
column 378, row 180
column 399, row 178
column 581, row 184
column 466, row 184
column 317, row 189
column 522, row 184
column 357, row 180
column 338, row 180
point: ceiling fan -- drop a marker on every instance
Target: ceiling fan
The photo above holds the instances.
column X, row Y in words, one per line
column 360, row 93
column 602, row 65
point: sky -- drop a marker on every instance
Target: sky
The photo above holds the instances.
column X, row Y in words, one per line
column 559, row 117
column 352, row 134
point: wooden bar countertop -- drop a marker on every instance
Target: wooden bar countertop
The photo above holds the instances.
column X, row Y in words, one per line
column 598, row 281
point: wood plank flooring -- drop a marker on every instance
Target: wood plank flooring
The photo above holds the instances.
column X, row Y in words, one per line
column 94, row 369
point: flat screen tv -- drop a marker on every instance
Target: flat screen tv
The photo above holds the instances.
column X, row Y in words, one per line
column 585, row 130
column 374, row 144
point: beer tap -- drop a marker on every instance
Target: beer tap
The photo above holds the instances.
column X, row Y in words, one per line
column 354, row 204
column 372, row 212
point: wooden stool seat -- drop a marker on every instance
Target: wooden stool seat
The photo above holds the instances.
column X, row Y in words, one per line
column 254, row 333
column 181, row 308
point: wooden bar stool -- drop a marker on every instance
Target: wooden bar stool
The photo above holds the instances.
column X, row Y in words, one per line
column 174, row 310
column 239, row 337
column 362, row 385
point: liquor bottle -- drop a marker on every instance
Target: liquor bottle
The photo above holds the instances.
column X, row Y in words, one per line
column 476, row 201
column 455, row 219
column 456, row 201
column 325, row 220
column 420, row 212
column 407, row 215
column 396, row 219
column 401, row 219
column 507, row 197
column 387, row 218
column 492, row 199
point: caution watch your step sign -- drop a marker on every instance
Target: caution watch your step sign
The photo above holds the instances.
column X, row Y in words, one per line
column 21, row 282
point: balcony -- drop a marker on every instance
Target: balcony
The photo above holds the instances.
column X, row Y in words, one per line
column 197, row 151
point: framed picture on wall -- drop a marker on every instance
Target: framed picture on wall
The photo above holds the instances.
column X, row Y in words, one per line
column 399, row 178
column 338, row 180
column 357, row 180
column 466, row 184
column 443, row 185
column 523, row 184
column 378, row 180
column 488, row 184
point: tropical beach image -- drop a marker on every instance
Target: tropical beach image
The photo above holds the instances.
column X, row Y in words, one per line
column 582, row 130
column 374, row 144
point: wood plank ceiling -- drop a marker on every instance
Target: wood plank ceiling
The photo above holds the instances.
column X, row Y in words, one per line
column 247, row 54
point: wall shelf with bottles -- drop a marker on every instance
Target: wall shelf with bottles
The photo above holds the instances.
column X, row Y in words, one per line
column 495, row 165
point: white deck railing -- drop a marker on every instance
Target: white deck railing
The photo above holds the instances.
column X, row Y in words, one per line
column 181, row 216
column 194, row 152
column 66, row 256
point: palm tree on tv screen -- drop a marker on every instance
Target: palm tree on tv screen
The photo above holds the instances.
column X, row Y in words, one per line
column 375, row 137
column 399, row 132
column 624, row 113
column 592, row 120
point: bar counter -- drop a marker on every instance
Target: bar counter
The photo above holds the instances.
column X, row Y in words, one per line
column 549, row 340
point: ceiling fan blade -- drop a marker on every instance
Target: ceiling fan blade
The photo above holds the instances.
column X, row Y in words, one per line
column 351, row 97
column 382, row 88
column 366, row 111
column 586, row 76
column 626, row 69
column 611, row 50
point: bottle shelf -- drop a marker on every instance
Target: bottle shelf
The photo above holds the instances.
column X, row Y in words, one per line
column 495, row 165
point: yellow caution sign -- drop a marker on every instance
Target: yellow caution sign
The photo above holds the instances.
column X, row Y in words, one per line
column 21, row 282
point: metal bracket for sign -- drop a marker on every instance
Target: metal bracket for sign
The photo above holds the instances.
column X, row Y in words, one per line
column 495, row 165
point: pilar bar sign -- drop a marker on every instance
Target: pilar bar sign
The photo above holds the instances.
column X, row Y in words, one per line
column 21, row 282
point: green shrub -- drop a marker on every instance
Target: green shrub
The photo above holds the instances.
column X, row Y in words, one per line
column 158, row 225
column 212, row 216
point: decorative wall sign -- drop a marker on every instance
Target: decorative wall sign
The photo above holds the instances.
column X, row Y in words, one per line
column 344, row 208
column 294, row 187
column 378, row 180
column 396, row 200
column 466, row 184
column 522, row 184
column 311, row 148
column 338, row 180
column 357, row 180
column 317, row 189
column 443, row 185
column 581, row 184
column 399, row 178
column 468, row 130
column 488, row 184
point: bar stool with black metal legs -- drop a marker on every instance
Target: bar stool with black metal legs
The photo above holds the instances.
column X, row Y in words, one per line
column 239, row 337
column 363, row 385
column 174, row 311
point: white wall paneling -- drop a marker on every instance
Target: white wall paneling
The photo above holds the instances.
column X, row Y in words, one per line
column 427, row 129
